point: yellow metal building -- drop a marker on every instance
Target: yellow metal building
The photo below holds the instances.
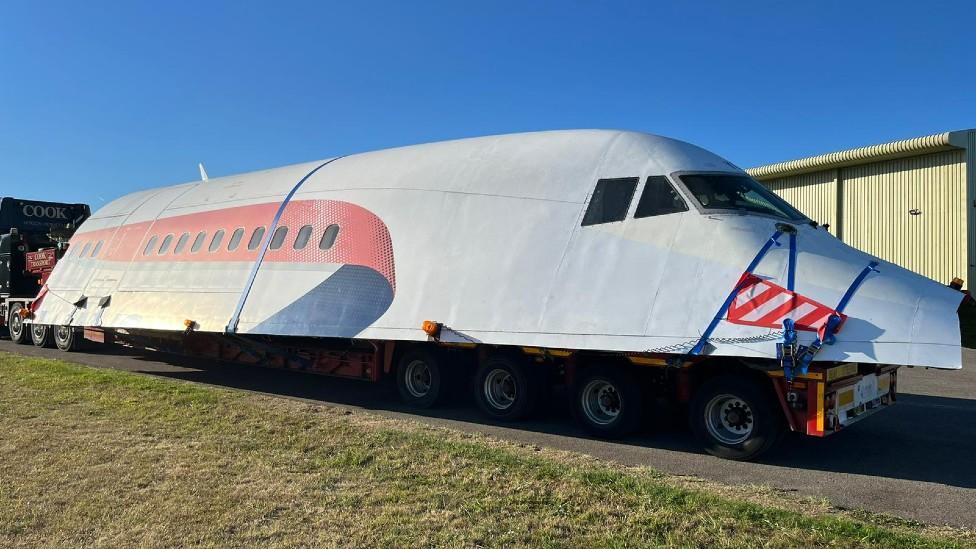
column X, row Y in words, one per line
column 910, row 202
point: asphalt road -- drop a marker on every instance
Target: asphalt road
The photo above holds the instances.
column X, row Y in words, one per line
column 916, row 460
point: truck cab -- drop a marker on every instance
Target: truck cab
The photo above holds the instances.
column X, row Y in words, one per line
column 33, row 236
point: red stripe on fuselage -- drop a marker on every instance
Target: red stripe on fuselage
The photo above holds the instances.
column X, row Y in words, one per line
column 363, row 238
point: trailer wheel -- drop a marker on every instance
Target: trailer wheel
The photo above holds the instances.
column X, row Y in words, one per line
column 40, row 335
column 608, row 402
column 420, row 378
column 15, row 325
column 735, row 419
column 67, row 338
column 505, row 389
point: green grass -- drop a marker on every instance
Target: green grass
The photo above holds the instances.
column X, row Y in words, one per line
column 104, row 458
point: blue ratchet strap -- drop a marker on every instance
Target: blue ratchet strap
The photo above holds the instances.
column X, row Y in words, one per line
column 786, row 351
column 700, row 346
column 807, row 354
column 791, row 274
column 872, row 266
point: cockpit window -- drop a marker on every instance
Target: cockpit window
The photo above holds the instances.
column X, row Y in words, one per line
column 610, row 201
column 737, row 192
column 659, row 198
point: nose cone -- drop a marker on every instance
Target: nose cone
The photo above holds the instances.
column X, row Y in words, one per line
column 894, row 316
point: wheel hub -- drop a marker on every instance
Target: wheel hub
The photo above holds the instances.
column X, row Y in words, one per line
column 729, row 419
column 601, row 402
column 737, row 416
column 418, row 378
column 501, row 389
column 609, row 400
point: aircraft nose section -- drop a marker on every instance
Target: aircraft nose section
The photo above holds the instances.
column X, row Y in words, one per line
column 893, row 316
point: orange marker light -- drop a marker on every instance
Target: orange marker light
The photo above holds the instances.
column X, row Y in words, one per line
column 190, row 326
column 431, row 328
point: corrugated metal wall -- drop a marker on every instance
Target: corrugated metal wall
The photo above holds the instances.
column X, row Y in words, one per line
column 971, row 200
column 877, row 204
column 814, row 194
column 868, row 206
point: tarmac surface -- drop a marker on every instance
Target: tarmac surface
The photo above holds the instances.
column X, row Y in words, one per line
column 916, row 460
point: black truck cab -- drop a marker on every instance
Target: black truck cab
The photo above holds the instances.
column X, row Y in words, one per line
column 27, row 226
column 38, row 218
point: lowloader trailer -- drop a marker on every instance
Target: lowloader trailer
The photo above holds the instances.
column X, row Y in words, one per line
column 641, row 272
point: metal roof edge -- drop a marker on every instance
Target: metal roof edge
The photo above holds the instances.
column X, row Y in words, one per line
column 960, row 138
column 895, row 149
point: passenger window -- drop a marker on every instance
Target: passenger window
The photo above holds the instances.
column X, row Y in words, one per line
column 278, row 238
column 659, row 198
column 610, row 201
column 198, row 242
column 181, row 243
column 164, row 247
column 329, row 237
column 235, row 239
column 218, row 237
column 303, row 235
column 98, row 248
column 150, row 246
column 256, row 237
column 84, row 250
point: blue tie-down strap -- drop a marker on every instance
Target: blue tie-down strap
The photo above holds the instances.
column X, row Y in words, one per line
column 791, row 270
column 830, row 328
column 808, row 353
column 806, row 356
column 825, row 336
column 786, row 351
column 872, row 267
column 703, row 340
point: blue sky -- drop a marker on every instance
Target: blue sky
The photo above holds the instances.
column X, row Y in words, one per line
column 101, row 98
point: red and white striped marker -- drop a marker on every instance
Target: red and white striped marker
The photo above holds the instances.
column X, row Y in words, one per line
column 761, row 303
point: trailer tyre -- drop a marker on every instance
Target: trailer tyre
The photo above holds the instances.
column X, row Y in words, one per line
column 19, row 332
column 67, row 338
column 734, row 418
column 608, row 402
column 420, row 378
column 40, row 334
column 505, row 388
